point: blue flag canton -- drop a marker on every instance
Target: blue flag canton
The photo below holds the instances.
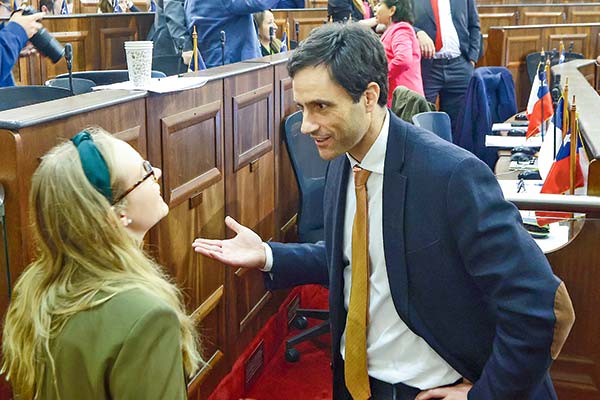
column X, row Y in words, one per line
column 64, row 9
column 152, row 6
column 117, row 8
column 543, row 89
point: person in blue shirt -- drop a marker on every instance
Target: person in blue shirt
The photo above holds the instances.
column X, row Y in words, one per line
column 290, row 4
column 234, row 17
column 14, row 35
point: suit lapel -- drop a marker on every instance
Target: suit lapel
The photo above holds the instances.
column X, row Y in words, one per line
column 336, row 198
column 394, row 197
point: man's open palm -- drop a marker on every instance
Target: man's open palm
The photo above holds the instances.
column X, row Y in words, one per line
column 244, row 250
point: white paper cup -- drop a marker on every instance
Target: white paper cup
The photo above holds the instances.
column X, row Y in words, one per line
column 139, row 62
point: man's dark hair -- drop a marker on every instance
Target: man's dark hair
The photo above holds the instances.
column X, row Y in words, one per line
column 403, row 10
column 352, row 53
column 49, row 5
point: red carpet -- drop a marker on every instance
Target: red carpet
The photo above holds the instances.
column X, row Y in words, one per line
column 307, row 379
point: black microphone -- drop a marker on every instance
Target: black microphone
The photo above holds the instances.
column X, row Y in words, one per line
column 271, row 34
column 180, row 43
column 297, row 29
column 222, row 47
column 69, row 59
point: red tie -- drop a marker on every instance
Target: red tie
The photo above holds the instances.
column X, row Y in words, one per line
column 438, row 28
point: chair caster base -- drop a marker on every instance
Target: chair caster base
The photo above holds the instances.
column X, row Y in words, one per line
column 300, row 323
column 292, row 355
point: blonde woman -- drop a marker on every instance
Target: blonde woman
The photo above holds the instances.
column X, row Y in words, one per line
column 93, row 317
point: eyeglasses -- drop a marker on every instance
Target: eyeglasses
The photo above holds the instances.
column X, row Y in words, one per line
column 149, row 173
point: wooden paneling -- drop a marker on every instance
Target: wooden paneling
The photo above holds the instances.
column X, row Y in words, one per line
column 542, row 17
column 186, row 140
column 576, row 372
column 250, row 186
column 308, row 19
column 508, row 46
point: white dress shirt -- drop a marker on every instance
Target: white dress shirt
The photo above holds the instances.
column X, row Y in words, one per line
column 394, row 353
column 450, row 43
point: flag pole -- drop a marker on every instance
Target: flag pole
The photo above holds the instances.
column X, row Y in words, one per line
column 195, row 50
column 287, row 36
column 573, row 158
column 565, row 110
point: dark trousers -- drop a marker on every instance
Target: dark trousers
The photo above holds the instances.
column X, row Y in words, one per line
column 448, row 78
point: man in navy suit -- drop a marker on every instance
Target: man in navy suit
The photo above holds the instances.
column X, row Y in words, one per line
column 461, row 301
column 448, row 54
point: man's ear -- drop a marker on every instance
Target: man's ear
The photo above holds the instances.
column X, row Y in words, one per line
column 372, row 96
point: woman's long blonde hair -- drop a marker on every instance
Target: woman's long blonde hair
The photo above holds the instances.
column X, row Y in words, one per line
column 84, row 257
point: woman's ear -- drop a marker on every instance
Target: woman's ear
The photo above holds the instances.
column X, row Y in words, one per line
column 125, row 220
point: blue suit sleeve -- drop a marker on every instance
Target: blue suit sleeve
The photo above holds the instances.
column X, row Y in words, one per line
column 510, row 270
column 297, row 264
column 242, row 7
column 12, row 39
column 474, row 31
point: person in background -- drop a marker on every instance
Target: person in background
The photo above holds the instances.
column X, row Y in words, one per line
column 169, row 32
column 108, row 6
column 234, row 18
column 290, row 4
column 345, row 10
column 448, row 54
column 14, row 35
column 401, row 46
column 93, row 316
column 50, row 7
column 436, row 291
column 264, row 22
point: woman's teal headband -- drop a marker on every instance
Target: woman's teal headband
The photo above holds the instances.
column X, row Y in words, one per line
column 93, row 164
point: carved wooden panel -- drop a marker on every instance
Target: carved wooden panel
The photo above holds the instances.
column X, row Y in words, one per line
column 542, row 17
column 576, row 373
column 250, row 187
column 77, row 40
column 307, row 19
column 112, row 46
column 185, row 139
column 577, row 16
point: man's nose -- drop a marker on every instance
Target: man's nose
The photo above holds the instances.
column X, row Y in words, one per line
column 308, row 126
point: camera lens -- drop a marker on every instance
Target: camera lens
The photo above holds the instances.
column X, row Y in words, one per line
column 45, row 42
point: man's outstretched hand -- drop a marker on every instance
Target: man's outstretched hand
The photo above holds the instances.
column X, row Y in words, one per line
column 244, row 250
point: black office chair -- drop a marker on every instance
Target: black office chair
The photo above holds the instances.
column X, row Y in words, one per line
column 437, row 122
column 533, row 59
column 20, row 96
column 309, row 169
column 80, row 85
column 107, row 77
column 170, row 65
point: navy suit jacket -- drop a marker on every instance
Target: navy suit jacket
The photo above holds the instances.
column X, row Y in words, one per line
column 464, row 274
column 465, row 19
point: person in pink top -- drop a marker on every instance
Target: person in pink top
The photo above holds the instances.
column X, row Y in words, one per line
column 401, row 46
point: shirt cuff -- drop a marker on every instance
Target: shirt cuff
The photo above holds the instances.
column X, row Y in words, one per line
column 268, row 258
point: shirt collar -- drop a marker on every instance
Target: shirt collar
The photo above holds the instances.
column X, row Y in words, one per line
column 374, row 160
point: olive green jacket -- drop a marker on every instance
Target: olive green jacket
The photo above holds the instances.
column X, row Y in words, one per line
column 127, row 348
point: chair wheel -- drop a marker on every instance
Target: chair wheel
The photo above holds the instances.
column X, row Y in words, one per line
column 300, row 323
column 292, row 355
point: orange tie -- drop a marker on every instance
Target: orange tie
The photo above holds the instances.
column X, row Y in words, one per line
column 355, row 366
column 438, row 27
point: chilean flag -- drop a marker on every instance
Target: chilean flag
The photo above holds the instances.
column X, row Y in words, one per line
column 558, row 179
column 539, row 106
